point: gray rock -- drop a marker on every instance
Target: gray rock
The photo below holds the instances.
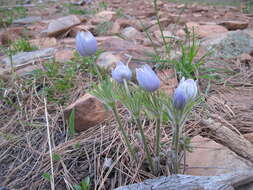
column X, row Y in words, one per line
column 60, row 25
column 234, row 25
column 130, row 33
column 27, row 20
column 230, row 44
column 26, row 58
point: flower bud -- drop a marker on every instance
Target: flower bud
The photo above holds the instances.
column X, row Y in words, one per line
column 147, row 78
column 86, row 43
column 186, row 90
column 189, row 87
column 121, row 72
column 179, row 99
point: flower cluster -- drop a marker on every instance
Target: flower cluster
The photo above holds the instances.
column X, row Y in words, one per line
column 136, row 100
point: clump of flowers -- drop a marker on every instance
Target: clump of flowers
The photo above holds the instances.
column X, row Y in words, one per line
column 144, row 102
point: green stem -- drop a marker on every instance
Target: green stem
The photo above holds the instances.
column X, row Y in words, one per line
column 145, row 144
column 94, row 65
column 126, row 87
column 158, row 123
column 175, row 149
column 130, row 149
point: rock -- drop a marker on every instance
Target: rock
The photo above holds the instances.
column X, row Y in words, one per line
column 60, row 25
column 89, row 112
column 124, row 23
column 107, row 60
column 167, row 34
column 215, row 159
column 74, row 30
column 180, row 6
column 27, row 58
column 206, row 30
column 5, row 74
column 27, row 20
column 209, row 30
column 104, row 16
column 130, row 33
column 119, row 45
column 234, row 25
column 163, row 21
column 43, row 42
column 11, row 34
column 64, row 55
column 28, row 70
column 230, row 44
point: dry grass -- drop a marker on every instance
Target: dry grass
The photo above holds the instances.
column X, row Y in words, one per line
column 30, row 121
column 25, row 153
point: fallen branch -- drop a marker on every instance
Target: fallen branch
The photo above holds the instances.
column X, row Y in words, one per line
column 225, row 136
column 188, row 182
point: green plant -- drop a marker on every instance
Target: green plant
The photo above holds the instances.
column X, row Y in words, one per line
column 8, row 15
column 22, row 45
column 58, row 80
column 84, row 184
column 79, row 10
column 120, row 13
column 72, row 122
column 103, row 5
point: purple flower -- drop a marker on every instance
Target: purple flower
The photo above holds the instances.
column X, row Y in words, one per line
column 179, row 98
column 121, row 72
column 86, row 43
column 147, row 78
column 189, row 87
column 186, row 90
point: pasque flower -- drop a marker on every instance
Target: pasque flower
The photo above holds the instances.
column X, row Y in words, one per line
column 147, row 78
column 86, row 43
column 121, row 72
column 186, row 90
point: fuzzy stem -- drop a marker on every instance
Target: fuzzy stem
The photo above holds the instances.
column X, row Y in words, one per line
column 158, row 123
column 175, row 149
column 126, row 87
column 145, row 144
column 94, row 65
column 130, row 149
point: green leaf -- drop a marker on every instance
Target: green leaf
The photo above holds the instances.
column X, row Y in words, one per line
column 72, row 122
column 85, row 183
column 56, row 157
column 46, row 176
column 77, row 187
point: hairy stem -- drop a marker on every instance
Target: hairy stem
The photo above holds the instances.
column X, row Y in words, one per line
column 175, row 149
column 130, row 149
column 145, row 144
column 158, row 124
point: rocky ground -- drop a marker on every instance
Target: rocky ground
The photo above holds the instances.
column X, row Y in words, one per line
column 47, row 80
